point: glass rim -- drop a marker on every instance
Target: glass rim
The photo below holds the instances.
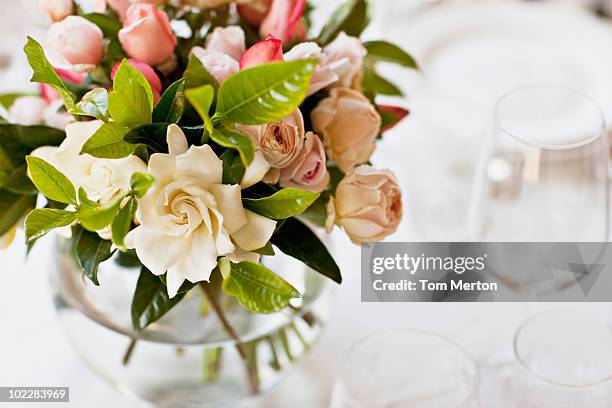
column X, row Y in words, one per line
column 526, row 367
column 551, row 87
column 475, row 382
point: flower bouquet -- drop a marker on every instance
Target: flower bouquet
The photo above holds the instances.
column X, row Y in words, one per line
column 194, row 137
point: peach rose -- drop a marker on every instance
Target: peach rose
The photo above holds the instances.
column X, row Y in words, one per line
column 146, row 34
column 323, row 75
column 57, row 9
column 308, row 171
column 345, row 55
column 227, row 40
column 281, row 143
column 349, row 124
column 74, row 44
column 368, row 205
column 219, row 65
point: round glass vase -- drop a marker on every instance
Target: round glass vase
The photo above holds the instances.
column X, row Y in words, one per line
column 187, row 358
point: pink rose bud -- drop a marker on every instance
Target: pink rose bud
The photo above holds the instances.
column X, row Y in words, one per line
column 395, row 112
column 57, row 9
column 27, row 111
column 148, row 72
column 254, row 11
column 227, row 40
column 268, row 50
column 120, row 6
column 308, row 171
column 220, row 66
column 75, row 78
column 74, row 44
column 146, row 34
column 284, row 20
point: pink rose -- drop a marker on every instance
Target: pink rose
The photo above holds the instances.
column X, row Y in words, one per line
column 50, row 94
column 221, row 66
column 308, row 171
column 367, row 205
column 284, row 20
column 27, row 111
column 323, row 75
column 149, row 74
column 74, row 44
column 120, row 6
column 345, row 55
column 227, row 40
column 57, row 9
column 146, row 34
column 262, row 52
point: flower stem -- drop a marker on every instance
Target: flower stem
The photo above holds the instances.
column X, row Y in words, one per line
column 129, row 351
column 232, row 333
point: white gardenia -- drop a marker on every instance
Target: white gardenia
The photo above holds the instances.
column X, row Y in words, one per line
column 189, row 218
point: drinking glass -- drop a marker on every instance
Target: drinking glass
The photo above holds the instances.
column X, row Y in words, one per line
column 406, row 368
column 562, row 360
column 543, row 171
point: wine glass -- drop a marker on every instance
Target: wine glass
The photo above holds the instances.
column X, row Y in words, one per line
column 406, row 368
column 562, row 360
column 543, row 171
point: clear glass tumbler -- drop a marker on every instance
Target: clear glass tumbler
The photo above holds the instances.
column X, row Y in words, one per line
column 543, row 172
column 406, row 368
column 562, row 360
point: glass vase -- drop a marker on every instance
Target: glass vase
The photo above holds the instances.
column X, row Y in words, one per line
column 187, row 358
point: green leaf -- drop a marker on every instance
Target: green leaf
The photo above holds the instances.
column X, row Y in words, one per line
column 131, row 101
column 44, row 72
column 122, row 223
column 50, row 181
column 18, row 182
column 12, row 208
column 171, row 106
column 387, row 52
column 95, row 217
column 201, row 99
column 42, row 220
column 89, row 251
column 150, row 301
column 109, row 26
column 94, row 103
column 308, row 248
column 196, row 75
column 375, row 84
column 265, row 93
column 108, row 143
column 286, row 203
column 28, row 138
column 257, row 288
column 140, row 183
column 235, row 140
column 153, row 136
column 353, row 17
column 267, row 250
column 233, row 168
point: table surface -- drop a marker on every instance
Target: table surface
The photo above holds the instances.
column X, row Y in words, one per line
column 33, row 350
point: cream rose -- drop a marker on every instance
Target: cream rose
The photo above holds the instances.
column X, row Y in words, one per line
column 280, row 144
column 345, row 57
column 308, row 171
column 367, row 205
column 75, row 44
column 189, row 218
column 27, row 111
column 227, row 40
column 349, row 124
column 323, row 75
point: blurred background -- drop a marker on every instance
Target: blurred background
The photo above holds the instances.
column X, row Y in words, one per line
column 471, row 53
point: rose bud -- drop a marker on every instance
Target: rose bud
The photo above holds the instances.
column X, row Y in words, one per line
column 367, row 205
column 146, row 34
column 220, row 66
column 74, row 44
column 227, row 40
column 284, row 20
column 120, row 7
column 57, row 9
column 148, row 72
column 308, row 171
column 346, row 55
column 75, row 78
column 254, row 11
column 268, row 50
column 349, row 124
column 27, row 111
column 323, row 76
